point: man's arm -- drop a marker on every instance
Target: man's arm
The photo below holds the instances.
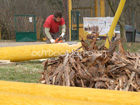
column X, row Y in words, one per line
column 48, row 33
column 63, row 30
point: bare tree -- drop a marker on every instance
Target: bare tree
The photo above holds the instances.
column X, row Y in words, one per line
column 44, row 8
column 40, row 8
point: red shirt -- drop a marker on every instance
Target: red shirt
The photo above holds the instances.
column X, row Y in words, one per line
column 54, row 26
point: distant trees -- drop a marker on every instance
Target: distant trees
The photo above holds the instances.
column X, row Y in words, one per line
column 8, row 8
column 43, row 8
column 131, row 11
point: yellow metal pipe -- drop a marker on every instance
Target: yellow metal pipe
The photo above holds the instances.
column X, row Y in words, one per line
column 23, row 53
column 69, row 9
column 102, row 8
column 96, row 8
column 115, row 21
column 22, row 93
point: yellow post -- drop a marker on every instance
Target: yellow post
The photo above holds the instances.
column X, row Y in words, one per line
column 114, row 23
column 70, row 8
column 102, row 8
column 96, row 8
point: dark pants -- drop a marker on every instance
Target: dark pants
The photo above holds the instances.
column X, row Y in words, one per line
column 54, row 36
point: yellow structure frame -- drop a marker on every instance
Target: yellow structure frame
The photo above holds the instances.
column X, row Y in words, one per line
column 102, row 8
column 102, row 14
column 70, row 8
column 96, row 8
column 91, row 10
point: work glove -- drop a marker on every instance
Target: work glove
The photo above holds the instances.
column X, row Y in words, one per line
column 62, row 35
column 52, row 40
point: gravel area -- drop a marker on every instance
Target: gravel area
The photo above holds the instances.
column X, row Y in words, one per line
column 13, row 43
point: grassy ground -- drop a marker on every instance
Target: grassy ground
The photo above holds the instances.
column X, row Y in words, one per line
column 132, row 47
column 22, row 72
column 129, row 47
column 29, row 71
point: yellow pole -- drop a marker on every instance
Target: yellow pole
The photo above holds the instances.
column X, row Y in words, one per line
column 115, row 21
column 102, row 8
column 30, row 52
column 96, row 8
column 70, row 8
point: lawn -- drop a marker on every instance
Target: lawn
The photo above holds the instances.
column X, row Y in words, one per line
column 129, row 47
column 132, row 47
column 29, row 71
column 22, row 72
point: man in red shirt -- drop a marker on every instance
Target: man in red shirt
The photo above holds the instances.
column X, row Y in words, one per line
column 51, row 27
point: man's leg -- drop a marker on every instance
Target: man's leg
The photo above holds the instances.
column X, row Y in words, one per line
column 55, row 35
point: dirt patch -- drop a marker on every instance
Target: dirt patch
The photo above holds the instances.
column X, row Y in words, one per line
column 13, row 43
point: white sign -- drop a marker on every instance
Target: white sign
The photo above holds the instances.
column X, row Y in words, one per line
column 30, row 19
column 92, row 25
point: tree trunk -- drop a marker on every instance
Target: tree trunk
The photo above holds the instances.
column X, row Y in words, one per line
column 122, row 29
column 0, row 31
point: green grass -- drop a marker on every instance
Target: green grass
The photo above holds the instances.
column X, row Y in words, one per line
column 128, row 47
column 22, row 72
column 132, row 47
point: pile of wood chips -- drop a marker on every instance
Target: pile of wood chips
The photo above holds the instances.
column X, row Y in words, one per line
column 95, row 67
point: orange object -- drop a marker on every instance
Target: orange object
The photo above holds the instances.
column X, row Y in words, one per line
column 59, row 40
column 44, row 39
